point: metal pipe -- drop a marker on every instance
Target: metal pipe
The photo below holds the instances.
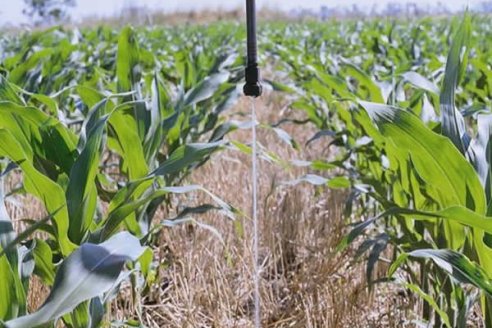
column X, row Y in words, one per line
column 251, row 32
column 252, row 87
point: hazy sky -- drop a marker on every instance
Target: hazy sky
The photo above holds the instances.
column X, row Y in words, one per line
column 11, row 10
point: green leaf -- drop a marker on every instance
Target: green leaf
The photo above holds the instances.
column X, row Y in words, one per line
column 186, row 155
column 459, row 214
column 458, row 266
column 480, row 153
column 129, row 143
column 80, row 316
column 34, row 226
column 89, row 96
column 8, row 93
column 9, row 304
column 39, row 133
column 7, row 233
column 277, row 86
column 40, row 186
column 447, row 175
column 426, row 297
column 453, row 124
column 88, row 272
column 282, row 134
column 97, row 311
column 118, row 213
column 154, row 137
column 420, row 81
column 127, row 65
column 43, row 257
column 339, row 183
column 12, row 290
column 380, row 244
column 365, row 82
column 316, row 180
column 99, row 110
column 205, row 89
column 81, row 191
column 49, row 102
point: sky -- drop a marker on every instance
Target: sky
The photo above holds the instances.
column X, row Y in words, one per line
column 11, row 10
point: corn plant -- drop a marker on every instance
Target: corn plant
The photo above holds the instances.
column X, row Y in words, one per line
column 126, row 139
column 416, row 173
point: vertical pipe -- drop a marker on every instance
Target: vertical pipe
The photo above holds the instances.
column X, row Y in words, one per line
column 252, row 87
column 251, row 32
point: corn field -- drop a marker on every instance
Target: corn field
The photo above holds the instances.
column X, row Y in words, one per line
column 104, row 128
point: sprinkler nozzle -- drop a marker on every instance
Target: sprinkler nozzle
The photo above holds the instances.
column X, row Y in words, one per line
column 252, row 88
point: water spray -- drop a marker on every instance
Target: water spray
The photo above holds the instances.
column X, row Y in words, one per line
column 253, row 89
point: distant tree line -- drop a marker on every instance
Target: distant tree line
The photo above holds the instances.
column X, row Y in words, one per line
column 395, row 9
column 47, row 12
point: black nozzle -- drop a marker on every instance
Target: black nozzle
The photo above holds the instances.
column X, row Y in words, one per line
column 252, row 87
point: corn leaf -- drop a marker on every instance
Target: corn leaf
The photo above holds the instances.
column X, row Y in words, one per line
column 88, row 272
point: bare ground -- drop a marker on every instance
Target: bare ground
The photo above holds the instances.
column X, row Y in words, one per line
column 305, row 283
